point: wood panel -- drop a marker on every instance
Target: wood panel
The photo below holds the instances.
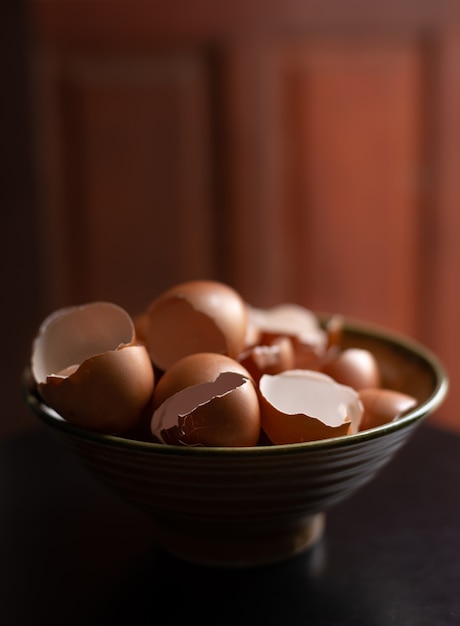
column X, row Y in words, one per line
column 344, row 174
column 137, row 23
column 441, row 250
column 358, row 130
column 334, row 219
column 300, row 151
column 132, row 152
column 20, row 275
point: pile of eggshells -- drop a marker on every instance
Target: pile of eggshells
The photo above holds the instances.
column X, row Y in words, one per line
column 202, row 367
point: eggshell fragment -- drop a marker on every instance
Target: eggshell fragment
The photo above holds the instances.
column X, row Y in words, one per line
column 290, row 320
column 273, row 358
column 304, row 405
column 140, row 324
column 88, row 368
column 382, row 406
column 334, row 331
column 195, row 316
column 298, row 323
column 224, row 412
column 355, row 367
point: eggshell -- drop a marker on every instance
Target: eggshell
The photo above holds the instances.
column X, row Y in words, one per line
column 355, row 367
column 383, row 405
column 303, row 405
column 253, row 332
column 290, row 320
column 206, row 399
column 308, row 356
column 334, row 331
column 140, row 324
column 108, row 392
column 194, row 369
column 72, row 334
column 88, row 368
column 195, row 316
column 301, row 325
column 273, row 358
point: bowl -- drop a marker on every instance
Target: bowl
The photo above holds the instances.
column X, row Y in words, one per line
column 250, row 506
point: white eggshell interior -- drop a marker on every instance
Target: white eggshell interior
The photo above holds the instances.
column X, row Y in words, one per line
column 312, row 393
column 288, row 319
column 71, row 335
column 187, row 400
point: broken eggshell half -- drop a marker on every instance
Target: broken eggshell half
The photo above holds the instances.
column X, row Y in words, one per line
column 290, row 320
column 88, row 367
column 206, row 399
column 301, row 325
column 305, row 405
column 192, row 317
column 272, row 358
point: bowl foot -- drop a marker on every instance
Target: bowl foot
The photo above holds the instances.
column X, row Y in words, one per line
column 227, row 545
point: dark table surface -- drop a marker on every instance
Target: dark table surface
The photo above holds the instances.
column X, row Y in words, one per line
column 72, row 553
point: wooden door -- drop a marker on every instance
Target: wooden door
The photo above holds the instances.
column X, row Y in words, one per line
column 299, row 152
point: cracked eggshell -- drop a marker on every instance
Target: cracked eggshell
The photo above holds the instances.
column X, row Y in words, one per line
column 301, row 325
column 206, row 399
column 355, row 367
column 89, row 369
column 140, row 325
column 195, row 316
column 304, row 405
column 224, row 412
column 194, row 369
column 273, row 358
column 288, row 319
column 382, row 406
column 334, row 331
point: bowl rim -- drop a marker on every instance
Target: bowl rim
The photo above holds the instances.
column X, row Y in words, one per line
column 351, row 325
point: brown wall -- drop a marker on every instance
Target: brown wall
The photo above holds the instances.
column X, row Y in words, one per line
column 299, row 151
column 21, row 295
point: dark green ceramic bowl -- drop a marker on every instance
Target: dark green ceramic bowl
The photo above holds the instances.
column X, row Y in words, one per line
column 248, row 506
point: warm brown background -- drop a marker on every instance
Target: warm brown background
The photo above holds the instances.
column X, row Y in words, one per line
column 300, row 151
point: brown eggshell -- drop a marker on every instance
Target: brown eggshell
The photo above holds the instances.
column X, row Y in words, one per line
column 140, row 324
column 223, row 412
column 72, row 334
column 195, row 316
column 303, row 405
column 382, row 406
column 253, row 332
column 355, row 367
column 273, row 358
column 334, row 331
column 194, row 369
column 107, row 393
column 307, row 356
column 301, row 325
column 288, row 320
column 88, row 368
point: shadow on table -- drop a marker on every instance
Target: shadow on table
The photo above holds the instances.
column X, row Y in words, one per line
column 296, row 591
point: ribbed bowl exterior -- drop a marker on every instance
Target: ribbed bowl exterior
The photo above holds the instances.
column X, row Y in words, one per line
column 234, row 486
column 249, row 505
